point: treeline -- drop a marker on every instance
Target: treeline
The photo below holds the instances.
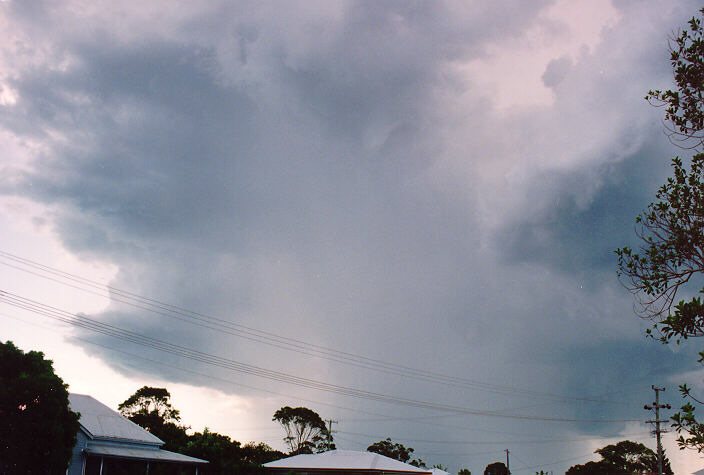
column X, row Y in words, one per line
column 151, row 409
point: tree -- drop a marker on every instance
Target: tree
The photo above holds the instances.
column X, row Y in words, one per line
column 223, row 453
column 591, row 468
column 496, row 468
column 623, row 458
column 259, row 454
column 228, row 456
column 684, row 109
column 305, row 429
column 38, row 429
column 151, row 409
column 395, row 451
column 464, row 471
column 148, row 400
column 669, row 263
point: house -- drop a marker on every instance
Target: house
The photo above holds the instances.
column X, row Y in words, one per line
column 110, row 443
column 339, row 462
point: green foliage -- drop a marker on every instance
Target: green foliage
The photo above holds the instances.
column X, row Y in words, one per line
column 684, row 105
column 670, row 261
column 305, row 430
column 395, row 451
column 684, row 421
column 671, row 253
column 623, row 458
column 38, row 429
column 151, row 409
column 464, row 471
column 496, row 468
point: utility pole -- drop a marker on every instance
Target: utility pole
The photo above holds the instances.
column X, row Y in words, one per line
column 656, row 407
column 508, row 469
column 330, row 423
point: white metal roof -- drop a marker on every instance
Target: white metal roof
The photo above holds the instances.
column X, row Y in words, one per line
column 101, row 422
column 141, row 453
column 345, row 460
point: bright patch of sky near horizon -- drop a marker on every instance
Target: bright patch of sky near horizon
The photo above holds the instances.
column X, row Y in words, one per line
column 433, row 185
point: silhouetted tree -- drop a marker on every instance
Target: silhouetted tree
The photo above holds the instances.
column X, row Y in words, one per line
column 305, row 429
column 37, row 428
column 623, row 458
column 395, row 451
column 496, row 468
column 151, row 409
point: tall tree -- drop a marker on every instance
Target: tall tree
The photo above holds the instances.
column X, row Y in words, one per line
column 151, row 409
column 149, row 400
column 305, row 429
column 496, row 468
column 38, row 429
column 669, row 262
column 396, row 451
column 623, row 458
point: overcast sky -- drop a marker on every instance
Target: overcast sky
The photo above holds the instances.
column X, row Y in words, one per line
column 437, row 185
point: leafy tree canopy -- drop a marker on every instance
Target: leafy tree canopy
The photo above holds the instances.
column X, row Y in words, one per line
column 305, row 429
column 228, row 456
column 669, row 262
column 684, row 110
column 464, row 471
column 151, row 409
column 496, row 468
column 222, row 452
column 395, row 451
column 259, row 454
column 623, row 458
column 38, row 429
column 148, row 400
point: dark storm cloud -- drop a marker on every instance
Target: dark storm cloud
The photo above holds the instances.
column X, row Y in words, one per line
column 581, row 238
column 310, row 177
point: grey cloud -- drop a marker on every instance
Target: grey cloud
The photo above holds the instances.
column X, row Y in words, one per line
column 556, row 71
column 288, row 185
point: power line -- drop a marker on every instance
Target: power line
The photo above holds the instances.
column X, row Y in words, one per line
column 237, row 383
column 265, row 337
column 496, row 442
column 82, row 321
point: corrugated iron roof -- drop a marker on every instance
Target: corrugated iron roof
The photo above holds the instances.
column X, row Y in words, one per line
column 101, row 422
column 141, row 453
column 345, row 460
